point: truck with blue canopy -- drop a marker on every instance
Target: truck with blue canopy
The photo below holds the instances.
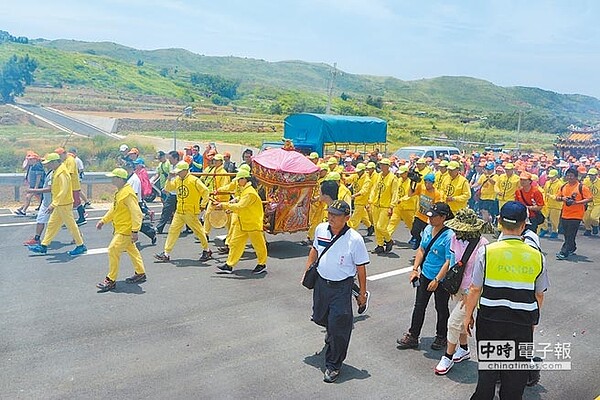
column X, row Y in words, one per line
column 324, row 133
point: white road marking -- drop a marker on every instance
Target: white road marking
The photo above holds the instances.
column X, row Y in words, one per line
column 33, row 222
column 389, row 273
column 92, row 252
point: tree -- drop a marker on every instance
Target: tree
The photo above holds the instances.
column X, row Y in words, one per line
column 344, row 96
column 140, row 63
column 216, row 85
column 17, row 73
column 375, row 101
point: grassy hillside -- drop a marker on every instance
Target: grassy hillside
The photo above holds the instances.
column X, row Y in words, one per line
column 58, row 68
column 448, row 92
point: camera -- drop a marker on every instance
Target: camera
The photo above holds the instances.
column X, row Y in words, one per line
column 569, row 201
column 414, row 175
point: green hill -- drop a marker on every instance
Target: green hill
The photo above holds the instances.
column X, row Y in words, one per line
column 447, row 91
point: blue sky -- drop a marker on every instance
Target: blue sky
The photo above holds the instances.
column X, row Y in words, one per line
column 554, row 45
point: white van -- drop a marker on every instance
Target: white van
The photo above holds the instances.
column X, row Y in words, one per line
column 426, row 151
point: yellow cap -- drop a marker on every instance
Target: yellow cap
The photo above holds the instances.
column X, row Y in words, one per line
column 371, row 165
column 218, row 157
column 313, row 155
column 385, row 161
column 333, row 176
column 242, row 173
column 452, row 165
column 421, row 161
column 119, row 173
column 509, row 166
column 552, row 173
column 593, row 171
column 361, row 166
column 332, row 160
column 51, row 157
column 444, row 163
column 323, row 166
column 402, row 169
column 180, row 166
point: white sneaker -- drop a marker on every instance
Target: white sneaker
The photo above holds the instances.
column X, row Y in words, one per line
column 444, row 366
column 461, row 354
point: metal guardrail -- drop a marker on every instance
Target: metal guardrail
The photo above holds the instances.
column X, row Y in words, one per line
column 89, row 178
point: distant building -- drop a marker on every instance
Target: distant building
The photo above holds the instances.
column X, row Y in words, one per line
column 579, row 142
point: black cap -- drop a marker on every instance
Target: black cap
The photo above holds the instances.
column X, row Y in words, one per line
column 339, row 207
column 160, row 153
column 513, row 212
column 440, row 209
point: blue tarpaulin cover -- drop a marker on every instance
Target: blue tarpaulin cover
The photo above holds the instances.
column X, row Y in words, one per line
column 317, row 129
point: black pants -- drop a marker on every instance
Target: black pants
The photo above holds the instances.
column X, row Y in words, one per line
column 332, row 308
column 169, row 206
column 422, row 297
column 570, row 227
column 417, row 229
column 512, row 382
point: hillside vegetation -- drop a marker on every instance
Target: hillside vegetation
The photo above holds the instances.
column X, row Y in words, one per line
column 236, row 97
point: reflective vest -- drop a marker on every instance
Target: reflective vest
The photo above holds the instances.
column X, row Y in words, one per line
column 508, row 295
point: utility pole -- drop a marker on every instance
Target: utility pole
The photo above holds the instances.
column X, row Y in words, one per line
column 334, row 72
column 519, row 130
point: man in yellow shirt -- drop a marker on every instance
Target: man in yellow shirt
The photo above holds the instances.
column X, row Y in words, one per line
column 422, row 167
column 126, row 217
column 316, row 212
column 214, row 183
column 427, row 195
column 488, row 205
column 592, row 214
column 456, row 188
column 407, row 203
column 361, row 189
column 552, row 207
column 60, row 209
column 68, row 162
column 507, row 185
column 343, row 192
column 440, row 175
column 192, row 195
column 384, row 197
column 248, row 213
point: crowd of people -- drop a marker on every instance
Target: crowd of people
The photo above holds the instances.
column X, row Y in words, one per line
column 446, row 205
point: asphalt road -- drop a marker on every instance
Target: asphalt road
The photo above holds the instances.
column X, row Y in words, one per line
column 190, row 333
column 64, row 120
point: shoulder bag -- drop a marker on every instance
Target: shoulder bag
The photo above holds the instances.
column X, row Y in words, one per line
column 311, row 274
column 453, row 279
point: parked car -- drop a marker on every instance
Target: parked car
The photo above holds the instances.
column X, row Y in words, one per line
column 426, row 151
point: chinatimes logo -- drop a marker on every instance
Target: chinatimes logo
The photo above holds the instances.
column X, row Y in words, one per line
column 507, row 355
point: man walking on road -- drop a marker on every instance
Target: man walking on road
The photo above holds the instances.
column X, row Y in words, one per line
column 574, row 196
column 60, row 209
column 126, row 217
column 191, row 196
column 509, row 281
column 332, row 295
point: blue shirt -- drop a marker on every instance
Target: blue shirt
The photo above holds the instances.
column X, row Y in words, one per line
column 438, row 254
column 197, row 160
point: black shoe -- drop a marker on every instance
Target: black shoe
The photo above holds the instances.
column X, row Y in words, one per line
column 206, row 255
column 330, row 376
column 136, row 278
column 259, row 269
column 106, row 285
column 153, row 239
column 80, row 222
column 223, row 250
column 378, row 250
column 162, row 257
column 224, row 269
column 388, row 246
column 370, row 230
column 439, row 343
column 408, row 342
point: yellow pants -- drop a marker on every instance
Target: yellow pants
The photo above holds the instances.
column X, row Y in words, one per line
column 407, row 216
column 62, row 215
column 316, row 214
column 552, row 219
column 237, row 244
column 207, row 226
column 359, row 215
column 190, row 220
column 381, row 221
column 119, row 244
column 591, row 216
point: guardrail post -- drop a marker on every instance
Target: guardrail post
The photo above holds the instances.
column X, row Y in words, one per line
column 17, row 195
column 89, row 191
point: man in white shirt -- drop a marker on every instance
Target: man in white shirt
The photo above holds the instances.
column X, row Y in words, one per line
column 332, row 295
